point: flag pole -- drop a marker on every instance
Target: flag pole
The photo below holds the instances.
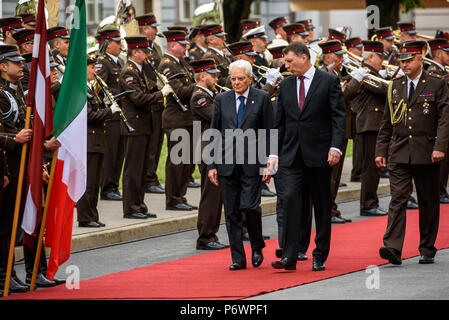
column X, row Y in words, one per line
column 43, row 222
column 15, row 222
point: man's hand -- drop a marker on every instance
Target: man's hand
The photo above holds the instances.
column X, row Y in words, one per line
column 52, row 144
column 24, row 136
column 271, row 169
column 45, row 177
column 333, row 157
column 5, row 181
column 213, row 176
column 381, row 162
column 437, row 156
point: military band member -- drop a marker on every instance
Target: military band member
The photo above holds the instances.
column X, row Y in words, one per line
column 29, row 20
column 216, row 39
column 408, row 31
column 440, row 55
column 148, row 26
column 248, row 24
column 58, row 40
column 336, row 35
column 97, row 114
column 296, row 32
column 332, row 56
column 368, row 102
column 277, row 24
column 199, row 46
column 10, row 26
column 173, row 64
column 386, row 36
column 12, row 137
column 211, row 203
column 354, row 45
column 412, row 141
column 25, row 39
column 109, row 68
column 310, row 29
column 137, row 109
column 259, row 42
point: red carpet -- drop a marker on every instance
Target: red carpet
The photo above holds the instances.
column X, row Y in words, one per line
column 354, row 247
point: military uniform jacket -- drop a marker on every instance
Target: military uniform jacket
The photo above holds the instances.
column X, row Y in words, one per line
column 155, row 53
column 109, row 72
column 137, row 105
column 368, row 102
column 425, row 127
column 202, row 107
column 434, row 69
column 195, row 53
column 222, row 63
column 13, row 109
column 97, row 114
column 173, row 116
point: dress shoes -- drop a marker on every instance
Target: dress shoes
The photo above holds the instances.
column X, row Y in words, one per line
column 101, row 224
column 385, row 174
column 284, row 263
column 337, row 220
column 267, row 193
column 302, row 256
column 444, row 199
column 390, row 254
column 374, row 212
column 237, row 266
column 14, row 286
column 318, row 265
column 89, row 224
column 135, row 215
column 257, row 258
column 150, row 215
column 193, row 184
column 192, row 207
column 426, row 259
column 179, row 207
column 412, row 205
column 111, row 195
column 213, row 245
column 58, row 281
column 342, row 185
column 155, row 189
column 41, row 281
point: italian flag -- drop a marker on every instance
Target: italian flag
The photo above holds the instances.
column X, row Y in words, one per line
column 70, row 128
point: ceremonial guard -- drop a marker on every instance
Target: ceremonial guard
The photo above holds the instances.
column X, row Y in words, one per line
column 277, row 24
column 296, row 32
column 109, row 69
column 137, row 109
column 248, row 24
column 58, row 40
column 310, row 29
column 181, row 77
column 199, row 46
column 408, row 31
column 10, row 26
column 216, row 39
column 412, row 140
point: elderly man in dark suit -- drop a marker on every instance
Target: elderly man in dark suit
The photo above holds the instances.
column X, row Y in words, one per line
column 249, row 110
column 311, row 126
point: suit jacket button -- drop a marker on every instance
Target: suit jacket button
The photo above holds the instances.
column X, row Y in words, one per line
column 376, row 109
column 410, row 136
column 410, row 127
column 410, row 118
column 93, row 131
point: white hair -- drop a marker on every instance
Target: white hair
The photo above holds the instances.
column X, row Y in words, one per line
column 242, row 64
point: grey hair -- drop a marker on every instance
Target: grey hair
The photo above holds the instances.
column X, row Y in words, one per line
column 242, row 64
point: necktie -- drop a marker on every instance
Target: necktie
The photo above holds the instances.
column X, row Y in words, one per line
column 302, row 93
column 412, row 90
column 240, row 110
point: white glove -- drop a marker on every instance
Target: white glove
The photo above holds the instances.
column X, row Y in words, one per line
column 160, row 84
column 115, row 108
column 400, row 73
column 383, row 73
column 272, row 76
column 359, row 74
column 166, row 90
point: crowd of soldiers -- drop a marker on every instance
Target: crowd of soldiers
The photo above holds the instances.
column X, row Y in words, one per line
column 161, row 92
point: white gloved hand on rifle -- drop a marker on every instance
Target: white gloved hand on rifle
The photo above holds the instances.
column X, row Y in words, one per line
column 115, row 108
column 359, row 74
column 272, row 76
column 166, row 90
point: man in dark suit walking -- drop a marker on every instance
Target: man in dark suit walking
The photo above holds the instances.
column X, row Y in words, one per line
column 311, row 126
column 249, row 110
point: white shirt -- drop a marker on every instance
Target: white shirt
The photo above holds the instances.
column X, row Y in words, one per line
column 137, row 65
column 237, row 100
column 115, row 59
column 202, row 48
column 415, row 83
column 177, row 60
column 207, row 90
column 220, row 52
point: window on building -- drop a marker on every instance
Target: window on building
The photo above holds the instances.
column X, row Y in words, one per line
column 94, row 11
column 186, row 8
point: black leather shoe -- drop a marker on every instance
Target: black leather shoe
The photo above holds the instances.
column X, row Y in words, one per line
column 58, row 281
column 179, row 207
column 412, row 205
column 193, row 184
column 318, row 265
column 245, row 236
column 302, row 256
column 426, row 259
column 284, row 263
column 14, row 286
column 135, row 215
column 278, row 253
column 111, row 196
column 41, row 281
column 101, row 224
column 384, row 174
column 155, row 189
column 90, row 224
column 444, row 199
column 374, row 212
column 267, row 193
column 150, row 215
column 342, row 185
column 191, row 206
column 213, row 245
column 337, row 220
column 390, row 254
column 257, row 258
column 237, row 266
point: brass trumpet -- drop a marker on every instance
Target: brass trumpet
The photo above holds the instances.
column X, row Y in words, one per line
column 371, row 79
column 222, row 88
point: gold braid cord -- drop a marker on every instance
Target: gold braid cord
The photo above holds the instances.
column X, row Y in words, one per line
column 400, row 114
